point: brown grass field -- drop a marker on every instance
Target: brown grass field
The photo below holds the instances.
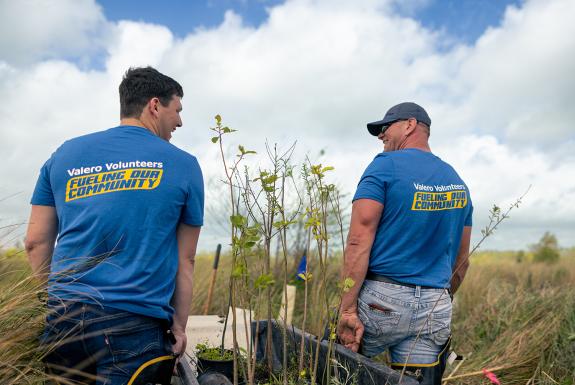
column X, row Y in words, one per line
column 514, row 318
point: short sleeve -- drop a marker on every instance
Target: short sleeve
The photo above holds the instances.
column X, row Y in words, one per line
column 193, row 213
column 468, row 218
column 375, row 179
column 43, row 194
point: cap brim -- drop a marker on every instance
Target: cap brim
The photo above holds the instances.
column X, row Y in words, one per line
column 374, row 128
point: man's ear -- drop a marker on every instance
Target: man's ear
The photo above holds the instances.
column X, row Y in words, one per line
column 411, row 125
column 153, row 106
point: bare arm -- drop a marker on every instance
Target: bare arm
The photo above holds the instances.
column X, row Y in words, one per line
column 365, row 216
column 462, row 261
column 40, row 239
column 182, row 299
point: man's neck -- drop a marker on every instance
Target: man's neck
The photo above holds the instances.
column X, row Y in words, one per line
column 132, row 122
column 138, row 123
column 417, row 140
column 422, row 147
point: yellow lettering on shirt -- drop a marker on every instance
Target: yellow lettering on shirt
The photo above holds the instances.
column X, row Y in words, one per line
column 435, row 201
column 112, row 181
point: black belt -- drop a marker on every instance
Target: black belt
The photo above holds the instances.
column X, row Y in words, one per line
column 382, row 278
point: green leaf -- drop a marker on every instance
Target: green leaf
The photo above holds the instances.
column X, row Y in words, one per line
column 270, row 179
column 226, row 130
column 348, row 283
column 239, row 270
column 238, row 220
column 215, row 139
column 328, row 168
column 264, row 281
column 218, row 118
column 280, row 224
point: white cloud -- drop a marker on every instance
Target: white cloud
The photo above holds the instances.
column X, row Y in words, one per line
column 138, row 44
column 38, row 29
column 520, row 74
column 498, row 175
column 316, row 72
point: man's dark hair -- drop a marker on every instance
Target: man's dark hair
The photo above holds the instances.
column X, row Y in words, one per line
column 139, row 85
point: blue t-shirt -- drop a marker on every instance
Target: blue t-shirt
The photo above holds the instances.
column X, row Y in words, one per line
column 119, row 195
column 425, row 207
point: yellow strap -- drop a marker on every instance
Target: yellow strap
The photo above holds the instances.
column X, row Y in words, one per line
column 146, row 364
column 415, row 365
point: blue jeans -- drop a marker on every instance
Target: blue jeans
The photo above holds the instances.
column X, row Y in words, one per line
column 90, row 344
column 393, row 315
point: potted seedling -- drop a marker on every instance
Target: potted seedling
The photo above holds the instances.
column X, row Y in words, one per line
column 215, row 359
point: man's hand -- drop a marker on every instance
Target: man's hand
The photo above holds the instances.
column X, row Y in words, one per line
column 179, row 347
column 350, row 330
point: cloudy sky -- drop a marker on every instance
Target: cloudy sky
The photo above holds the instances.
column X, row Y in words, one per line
column 497, row 78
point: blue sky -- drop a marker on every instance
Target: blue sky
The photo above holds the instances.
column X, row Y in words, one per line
column 183, row 16
column 463, row 20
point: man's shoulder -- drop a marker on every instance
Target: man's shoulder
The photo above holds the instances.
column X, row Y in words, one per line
column 390, row 160
column 89, row 138
column 407, row 153
column 383, row 157
column 182, row 155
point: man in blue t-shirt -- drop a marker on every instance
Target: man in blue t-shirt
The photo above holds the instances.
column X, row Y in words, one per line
column 408, row 245
column 115, row 221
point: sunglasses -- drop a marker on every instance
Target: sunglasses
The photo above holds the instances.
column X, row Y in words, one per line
column 386, row 126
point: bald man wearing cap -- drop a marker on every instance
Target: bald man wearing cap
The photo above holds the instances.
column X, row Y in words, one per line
column 407, row 248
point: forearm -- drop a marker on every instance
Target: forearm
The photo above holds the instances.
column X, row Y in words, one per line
column 182, row 299
column 365, row 217
column 459, row 274
column 40, row 239
column 462, row 260
column 39, row 257
column 356, row 262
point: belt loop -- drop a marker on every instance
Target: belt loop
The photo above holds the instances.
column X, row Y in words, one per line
column 417, row 291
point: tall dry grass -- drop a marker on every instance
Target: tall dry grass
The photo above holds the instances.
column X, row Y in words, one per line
column 21, row 323
column 515, row 317
column 518, row 318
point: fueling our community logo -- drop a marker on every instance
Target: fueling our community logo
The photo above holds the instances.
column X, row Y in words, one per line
column 119, row 176
column 439, row 197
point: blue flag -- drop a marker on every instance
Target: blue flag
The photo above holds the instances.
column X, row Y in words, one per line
column 302, row 268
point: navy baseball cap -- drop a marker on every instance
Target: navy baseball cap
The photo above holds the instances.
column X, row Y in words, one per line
column 401, row 111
